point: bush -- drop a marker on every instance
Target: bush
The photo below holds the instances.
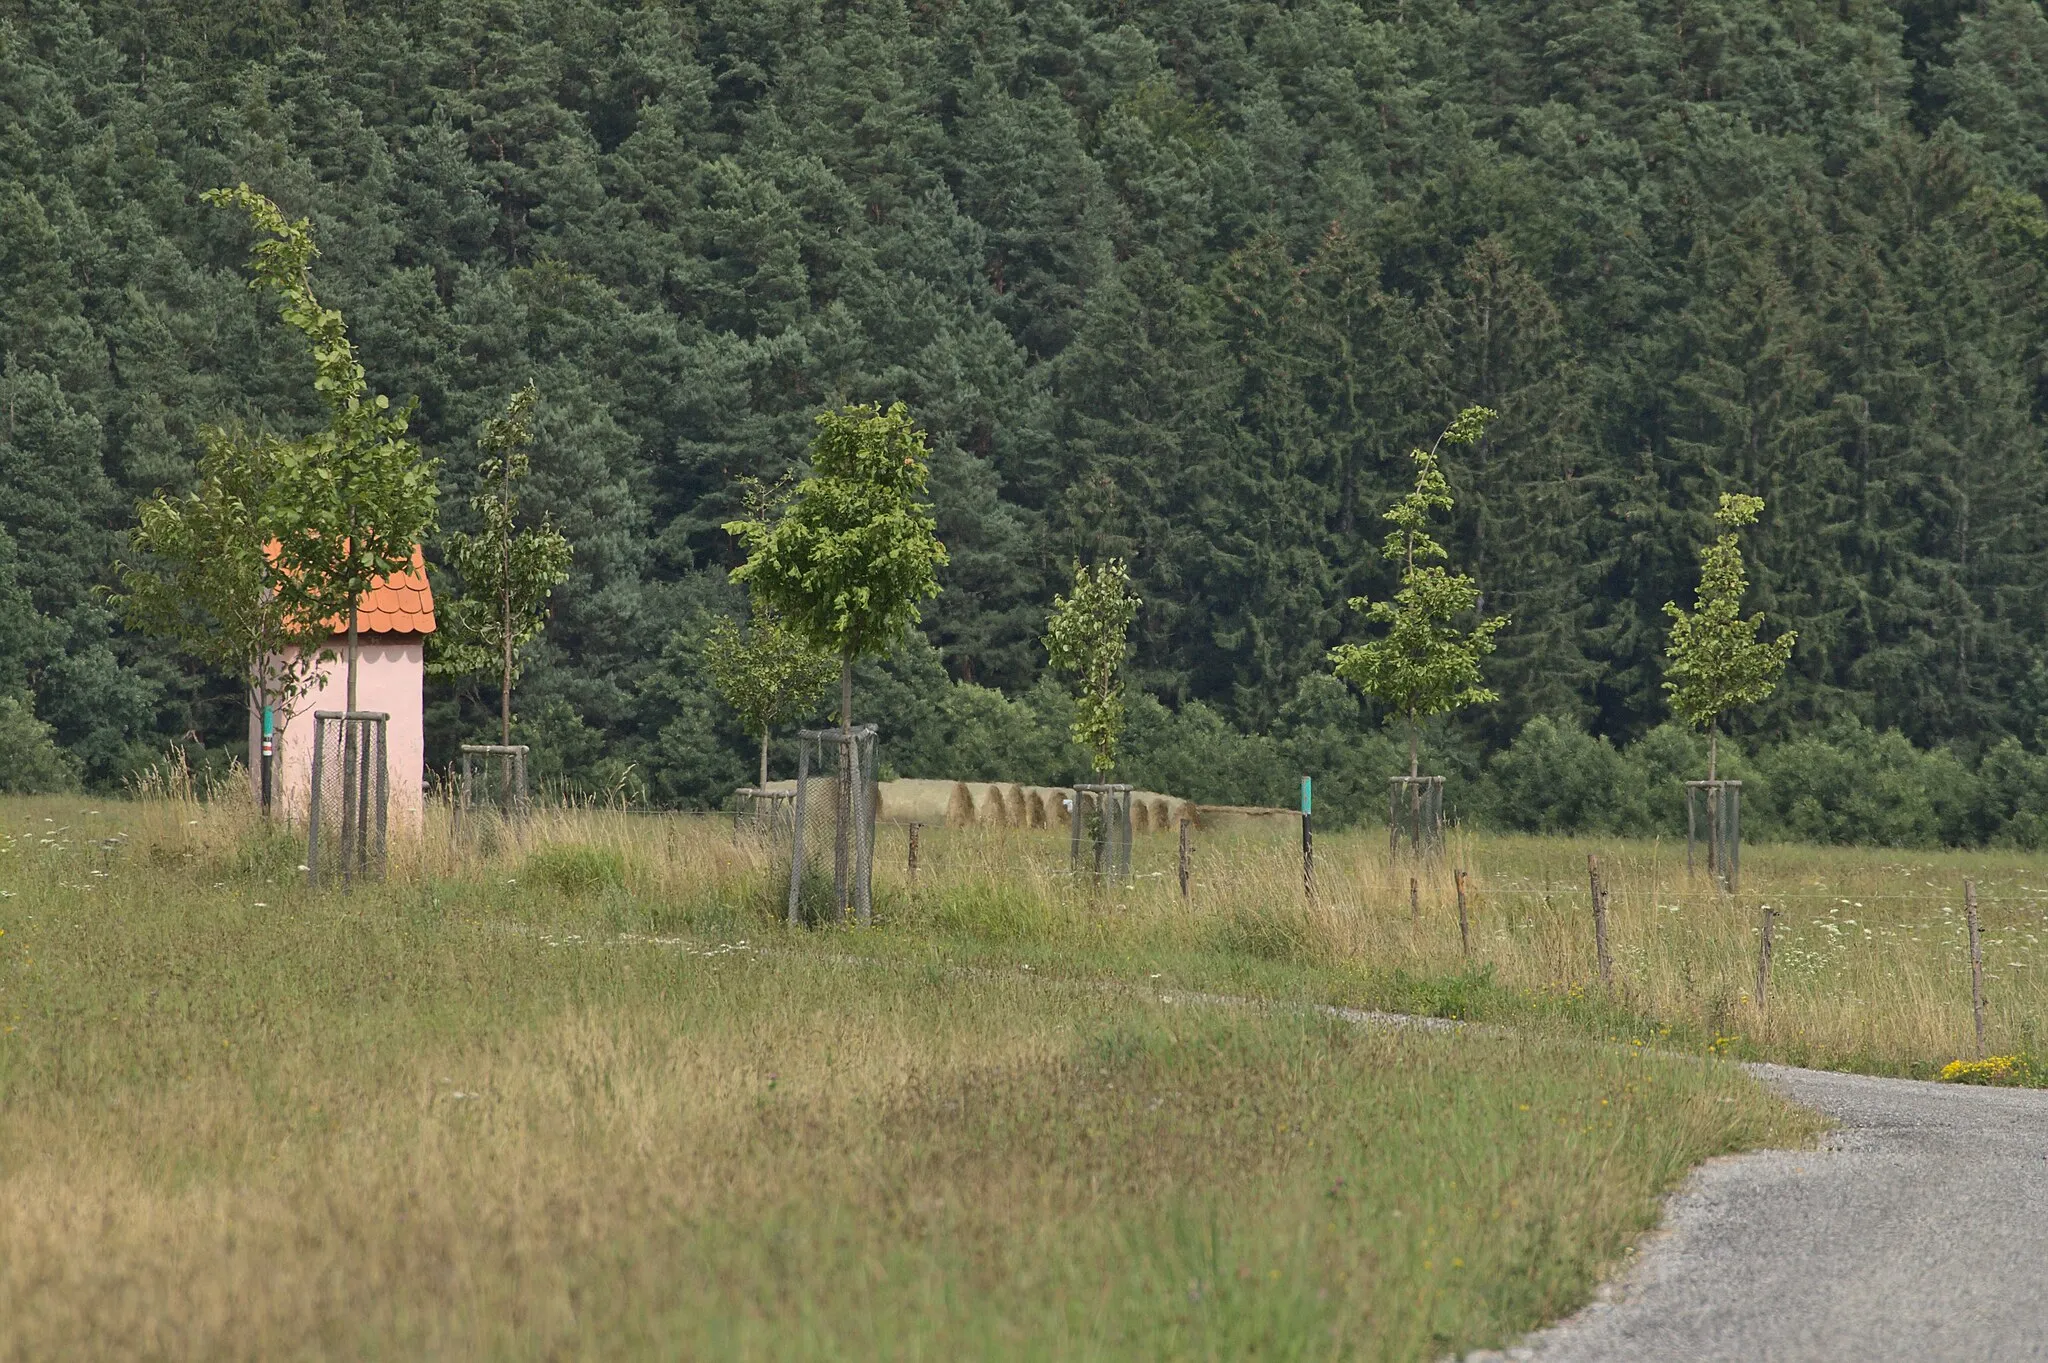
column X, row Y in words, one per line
column 1854, row 785
column 1556, row 778
column 31, row 763
column 1327, row 735
column 1198, row 754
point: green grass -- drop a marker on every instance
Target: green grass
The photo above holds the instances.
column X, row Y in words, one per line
column 582, row 1098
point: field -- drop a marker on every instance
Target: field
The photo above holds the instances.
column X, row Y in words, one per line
column 574, row 1093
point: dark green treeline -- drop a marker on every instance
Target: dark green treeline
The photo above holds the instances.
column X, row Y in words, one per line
column 1176, row 281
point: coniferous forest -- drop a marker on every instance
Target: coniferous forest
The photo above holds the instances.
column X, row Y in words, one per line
column 1179, row 282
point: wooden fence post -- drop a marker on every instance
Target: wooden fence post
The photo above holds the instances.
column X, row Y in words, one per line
column 1187, row 854
column 1414, row 904
column 1763, row 959
column 1976, row 961
column 1605, row 963
column 1308, row 838
column 1464, row 928
column 915, row 829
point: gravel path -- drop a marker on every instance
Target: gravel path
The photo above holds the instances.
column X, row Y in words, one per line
column 1918, row 1232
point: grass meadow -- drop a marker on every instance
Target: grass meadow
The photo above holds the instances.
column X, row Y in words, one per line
column 570, row 1090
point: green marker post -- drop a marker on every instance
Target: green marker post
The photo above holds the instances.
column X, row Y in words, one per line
column 1308, row 837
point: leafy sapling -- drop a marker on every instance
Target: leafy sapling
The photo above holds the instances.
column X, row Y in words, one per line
column 1088, row 639
column 507, row 571
column 1717, row 663
column 853, row 555
column 203, row 575
column 768, row 673
column 355, row 499
column 1423, row 665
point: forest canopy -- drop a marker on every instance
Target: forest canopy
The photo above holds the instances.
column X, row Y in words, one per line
column 1177, row 283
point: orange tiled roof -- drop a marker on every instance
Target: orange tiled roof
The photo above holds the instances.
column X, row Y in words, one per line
column 402, row 603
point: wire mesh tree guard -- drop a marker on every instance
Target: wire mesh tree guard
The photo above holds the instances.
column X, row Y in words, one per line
column 767, row 815
column 492, row 785
column 1415, row 813
column 1716, row 805
column 1099, row 823
column 834, row 807
column 350, row 798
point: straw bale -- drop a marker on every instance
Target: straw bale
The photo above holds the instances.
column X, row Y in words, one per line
column 989, row 808
column 936, row 803
column 1248, row 821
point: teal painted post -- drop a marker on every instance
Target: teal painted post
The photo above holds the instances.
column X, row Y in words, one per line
column 1308, row 837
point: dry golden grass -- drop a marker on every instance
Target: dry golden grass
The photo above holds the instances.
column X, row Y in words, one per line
column 575, row 1096
column 1871, row 966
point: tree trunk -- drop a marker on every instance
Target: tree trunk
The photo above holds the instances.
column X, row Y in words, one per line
column 351, row 657
column 505, row 615
column 764, row 759
column 842, row 842
column 505, row 683
column 1414, row 747
column 1713, row 737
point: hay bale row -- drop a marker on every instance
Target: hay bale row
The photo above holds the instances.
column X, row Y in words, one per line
column 1000, row 804
column 1258, row 821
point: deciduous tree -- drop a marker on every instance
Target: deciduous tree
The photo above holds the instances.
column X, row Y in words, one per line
column 1716, row 660
column 1088, row 638
column 1423, row 665
column 355, row 499
column 850, row 558
column 507, row 571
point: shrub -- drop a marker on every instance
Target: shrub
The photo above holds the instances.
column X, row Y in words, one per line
column 1556, row 778
column 31, row 763
column 1198, row 754
column 1854, row 785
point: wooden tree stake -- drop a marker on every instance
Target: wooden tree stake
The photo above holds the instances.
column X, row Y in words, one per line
column 1464, row 928
column 1414, row 904
column 1976, row 961
column 1763, row 959
column 1605, row 962
column 915, row 829
column 1187, row 855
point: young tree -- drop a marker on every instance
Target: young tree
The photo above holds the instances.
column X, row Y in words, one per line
column 507, row 572
column 769, row 674
column 1088, row 638
column 205, row 578
column 357, row 497
column 1423, row 666
column 1717, row 662
column 853, row 554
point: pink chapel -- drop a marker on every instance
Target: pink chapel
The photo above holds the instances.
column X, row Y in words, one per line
column 392, row 625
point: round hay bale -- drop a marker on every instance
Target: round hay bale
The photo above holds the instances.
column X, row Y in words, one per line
column 1015, row 805
column 989, row 810
column 1162, row 813
column 917, row 801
